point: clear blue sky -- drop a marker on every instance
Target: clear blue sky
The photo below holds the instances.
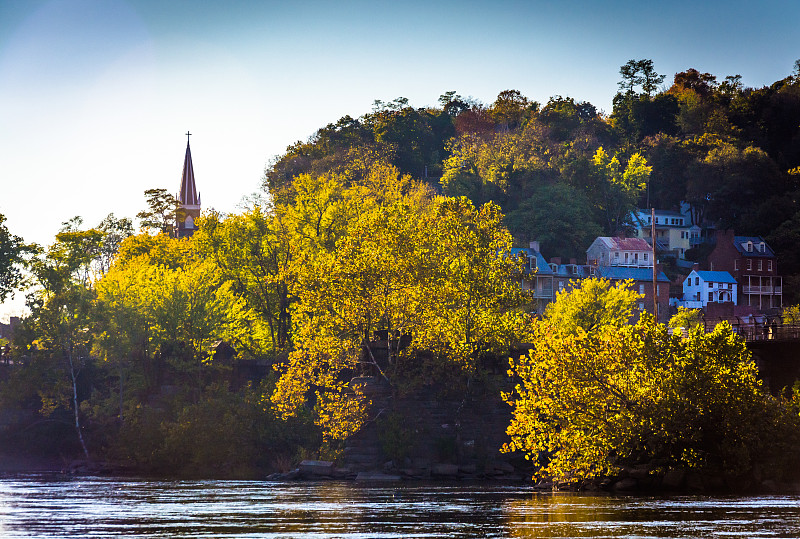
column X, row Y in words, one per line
column 96, row 95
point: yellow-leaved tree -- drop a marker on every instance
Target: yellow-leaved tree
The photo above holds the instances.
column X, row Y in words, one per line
column 428, row 273
column 598, row 393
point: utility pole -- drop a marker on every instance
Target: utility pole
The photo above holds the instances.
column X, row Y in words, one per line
column 655, row 266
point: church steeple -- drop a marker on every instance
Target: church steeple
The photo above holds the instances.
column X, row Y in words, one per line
column 189, row 198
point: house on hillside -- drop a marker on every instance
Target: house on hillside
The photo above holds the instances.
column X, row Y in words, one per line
column 710, row 287
column 627, row 252
column 753, row 265
column 675, row 233
column 538, row 276
column 642, row 283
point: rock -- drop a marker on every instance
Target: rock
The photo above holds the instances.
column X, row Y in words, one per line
column 316, row 467
column 414, row 473
column 641, row 471
column 769, row 485
column 628, row 483
column 673, row 478
column 291, row 476
column 377, row 476
column 695, row 482
column 468, row 469
column 445, row 470
column 503, row 467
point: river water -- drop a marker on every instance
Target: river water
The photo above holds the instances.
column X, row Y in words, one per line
column 42, row 506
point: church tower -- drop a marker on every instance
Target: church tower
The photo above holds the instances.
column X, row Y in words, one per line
column 188, row 198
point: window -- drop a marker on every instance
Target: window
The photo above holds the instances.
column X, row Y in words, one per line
column 762, row 247
column 711, row 296
column 711, row 285
column 749, row 246
column 641, row 306
column 769, row 265
column 730, row 286
column 736, row 264
column 749, row 265
column 636, row 257
column 641, row 289
column 645, row 257
column 616, row 255
column 760, row 265
column 696, row 281
column 658, row 289
column 656, row 220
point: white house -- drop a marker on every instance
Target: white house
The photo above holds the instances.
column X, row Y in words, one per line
column 627, row 252
column 710, row 287
column 674, row 230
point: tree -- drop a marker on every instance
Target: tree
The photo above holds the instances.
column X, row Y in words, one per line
column 622, row 187
column 12, row 251
column 426, row 271
column 639, row 73
column 255, row 251
column 559, row 216
column 162, row 213
column 58, row 330
column 114, row 232
column 588, row 403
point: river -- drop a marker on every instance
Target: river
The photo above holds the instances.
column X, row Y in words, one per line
column 52, row 506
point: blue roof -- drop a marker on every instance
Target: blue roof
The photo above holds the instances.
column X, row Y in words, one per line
column 620, row 273
column 739, row 240
column 541, row 263
column 716, row 276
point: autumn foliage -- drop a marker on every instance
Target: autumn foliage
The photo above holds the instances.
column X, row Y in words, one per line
column 598, row 394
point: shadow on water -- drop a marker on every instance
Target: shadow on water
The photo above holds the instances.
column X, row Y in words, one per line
column 38, row 506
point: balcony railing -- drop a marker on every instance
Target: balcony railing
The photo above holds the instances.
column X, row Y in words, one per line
column 768, row 290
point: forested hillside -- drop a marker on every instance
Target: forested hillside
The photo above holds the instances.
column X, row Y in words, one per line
column 730, row 151
column 252, row 344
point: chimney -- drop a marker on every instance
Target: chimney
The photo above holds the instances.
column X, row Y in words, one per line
column 725, row 236
column 534, row 246
column 695, row 267
column 556, row 260
column 573, row 261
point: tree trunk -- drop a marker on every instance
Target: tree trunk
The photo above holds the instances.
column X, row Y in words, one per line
column 74, row 377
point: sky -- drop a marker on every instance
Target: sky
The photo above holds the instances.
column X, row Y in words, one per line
column 96, row 95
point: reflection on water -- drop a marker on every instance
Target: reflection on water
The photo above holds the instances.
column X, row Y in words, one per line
column 98, row 507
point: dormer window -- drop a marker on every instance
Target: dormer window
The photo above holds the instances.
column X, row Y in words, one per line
column 749, row 246
column 762, row 247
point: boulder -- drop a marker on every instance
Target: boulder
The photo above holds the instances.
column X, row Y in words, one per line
column 445, row 470
column 316, row 467
column 673, row 478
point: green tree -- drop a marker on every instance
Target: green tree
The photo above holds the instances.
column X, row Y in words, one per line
column 162, row 213
column 12, row 260
column 622, row 188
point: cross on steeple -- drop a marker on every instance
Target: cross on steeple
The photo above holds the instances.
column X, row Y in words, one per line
column 187, row 137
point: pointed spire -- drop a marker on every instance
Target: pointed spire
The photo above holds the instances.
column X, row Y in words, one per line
column 188, row 195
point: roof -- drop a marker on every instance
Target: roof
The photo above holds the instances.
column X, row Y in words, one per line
column 564, row 270
column 541, row 264
column 620, row 273
column 739, row 240
column 624, row 244
column 716, row 276
column 188, row 195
